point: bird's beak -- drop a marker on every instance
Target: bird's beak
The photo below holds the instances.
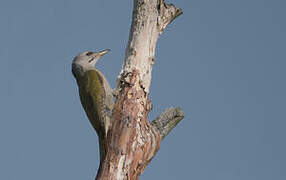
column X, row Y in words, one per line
column 97, row 55
column 101, row 53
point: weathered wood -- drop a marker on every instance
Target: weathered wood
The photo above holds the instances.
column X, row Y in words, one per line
column 167, row 120
column 132, row 141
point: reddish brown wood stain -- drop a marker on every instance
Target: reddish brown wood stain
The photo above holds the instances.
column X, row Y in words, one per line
column 131, row 134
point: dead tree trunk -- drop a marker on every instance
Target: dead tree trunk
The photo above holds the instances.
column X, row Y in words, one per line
column 132, row 141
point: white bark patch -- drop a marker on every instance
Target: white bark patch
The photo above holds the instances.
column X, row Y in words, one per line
column 140, row 139
column 120, row 169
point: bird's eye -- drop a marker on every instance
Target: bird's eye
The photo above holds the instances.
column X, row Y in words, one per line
column 89, row 53
column 90, row 59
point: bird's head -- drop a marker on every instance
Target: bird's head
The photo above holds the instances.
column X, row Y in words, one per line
column 86, row 61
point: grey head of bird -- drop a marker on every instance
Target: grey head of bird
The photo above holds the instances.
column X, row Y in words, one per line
column 86, row 61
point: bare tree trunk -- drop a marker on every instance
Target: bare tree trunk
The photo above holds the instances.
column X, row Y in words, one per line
column 132, row 141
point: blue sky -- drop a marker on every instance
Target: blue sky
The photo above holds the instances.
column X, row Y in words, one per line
column 222, row 61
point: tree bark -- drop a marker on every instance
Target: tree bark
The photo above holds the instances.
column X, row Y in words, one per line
column 133, row 141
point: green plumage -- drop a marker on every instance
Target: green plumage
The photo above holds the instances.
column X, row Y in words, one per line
column 95, row 94
column 96, row 98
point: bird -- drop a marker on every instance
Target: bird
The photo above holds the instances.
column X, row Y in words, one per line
column 95, row 93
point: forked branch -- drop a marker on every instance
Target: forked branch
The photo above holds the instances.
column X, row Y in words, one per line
column 132, row 140
column 167, row 120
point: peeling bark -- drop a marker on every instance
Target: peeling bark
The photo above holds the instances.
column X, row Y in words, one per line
column 133, row 141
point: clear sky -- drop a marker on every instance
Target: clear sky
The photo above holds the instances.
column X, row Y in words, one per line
column 222, row 61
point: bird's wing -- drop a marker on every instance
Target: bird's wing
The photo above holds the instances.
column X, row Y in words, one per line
column 92, row 97
column 108, row 92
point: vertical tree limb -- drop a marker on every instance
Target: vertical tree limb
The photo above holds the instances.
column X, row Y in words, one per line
column 132, row 141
